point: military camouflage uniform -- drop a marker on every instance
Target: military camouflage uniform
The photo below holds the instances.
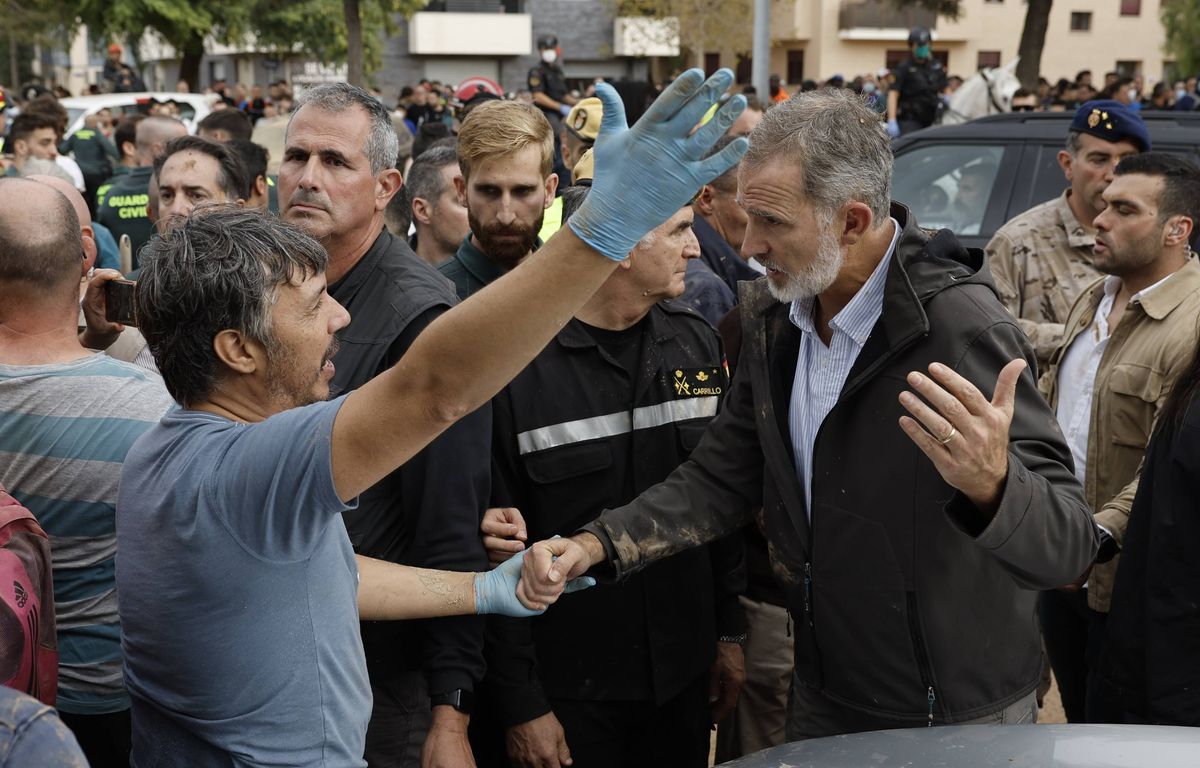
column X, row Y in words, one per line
column 1041, row 262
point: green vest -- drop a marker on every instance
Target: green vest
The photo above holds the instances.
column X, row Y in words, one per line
column 123, row 209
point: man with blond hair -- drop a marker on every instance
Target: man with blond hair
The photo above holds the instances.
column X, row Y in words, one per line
column 506, row 154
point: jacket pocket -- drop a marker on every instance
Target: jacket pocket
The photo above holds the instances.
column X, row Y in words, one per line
column 690, row 434
column 567, row 462
column 568, row 487
column 1136, row 390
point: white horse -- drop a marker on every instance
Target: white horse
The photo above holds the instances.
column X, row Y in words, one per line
column 988, row 92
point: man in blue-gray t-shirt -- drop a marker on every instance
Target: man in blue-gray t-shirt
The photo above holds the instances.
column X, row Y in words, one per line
column 235, row 576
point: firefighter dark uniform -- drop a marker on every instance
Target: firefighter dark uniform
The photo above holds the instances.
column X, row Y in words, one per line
column 920, row 84
column 598, row 417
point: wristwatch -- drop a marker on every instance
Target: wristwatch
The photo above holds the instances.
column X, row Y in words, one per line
column 462, row 700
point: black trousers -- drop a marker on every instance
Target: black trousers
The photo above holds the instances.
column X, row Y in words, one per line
column 400, row 718
column 1073, row 635
column 619, row 734
column 106, row 740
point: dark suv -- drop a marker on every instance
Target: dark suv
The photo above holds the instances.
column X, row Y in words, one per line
column 974, row 177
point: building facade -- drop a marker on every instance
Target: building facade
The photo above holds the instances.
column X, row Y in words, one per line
column 820, row 38
column 452, row 40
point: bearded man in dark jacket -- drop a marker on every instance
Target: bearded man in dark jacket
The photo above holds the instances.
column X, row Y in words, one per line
column 885, row 430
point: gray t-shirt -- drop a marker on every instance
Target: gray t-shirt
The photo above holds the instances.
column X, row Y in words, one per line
column 238, row 595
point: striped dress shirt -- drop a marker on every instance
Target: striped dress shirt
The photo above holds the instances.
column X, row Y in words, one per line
column 821, row 371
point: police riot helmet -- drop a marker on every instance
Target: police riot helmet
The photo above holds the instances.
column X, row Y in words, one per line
column 547, row 41
column 919, row 36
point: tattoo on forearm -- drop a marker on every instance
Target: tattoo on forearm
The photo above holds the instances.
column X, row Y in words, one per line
column 439, row 585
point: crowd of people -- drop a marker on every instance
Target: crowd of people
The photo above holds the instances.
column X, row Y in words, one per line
column 314, row 495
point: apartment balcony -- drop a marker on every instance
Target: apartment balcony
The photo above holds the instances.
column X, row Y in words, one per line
column 880, row 20
column 471, row 28
column 641, row 36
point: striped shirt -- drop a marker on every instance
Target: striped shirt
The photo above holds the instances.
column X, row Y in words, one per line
column 821, row 371
column 64, row 432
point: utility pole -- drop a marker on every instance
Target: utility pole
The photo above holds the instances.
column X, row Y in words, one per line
column 760, row 69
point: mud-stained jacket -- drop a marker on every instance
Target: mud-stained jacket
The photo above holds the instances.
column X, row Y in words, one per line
column 909, row 603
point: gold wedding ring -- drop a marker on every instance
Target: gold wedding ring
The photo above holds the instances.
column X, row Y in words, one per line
column 949, row 437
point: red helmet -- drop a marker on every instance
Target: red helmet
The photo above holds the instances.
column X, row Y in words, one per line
column 476, row 88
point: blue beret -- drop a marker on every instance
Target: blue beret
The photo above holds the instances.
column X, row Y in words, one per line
column 1112, row 121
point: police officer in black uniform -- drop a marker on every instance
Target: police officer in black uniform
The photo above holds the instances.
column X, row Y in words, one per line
column 548, row 85
column 913, row 99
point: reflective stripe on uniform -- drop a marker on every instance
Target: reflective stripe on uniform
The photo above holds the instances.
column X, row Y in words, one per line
column 612, row 424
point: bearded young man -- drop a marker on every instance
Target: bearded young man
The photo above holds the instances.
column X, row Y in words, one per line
column 908, row 530
column 506, row 154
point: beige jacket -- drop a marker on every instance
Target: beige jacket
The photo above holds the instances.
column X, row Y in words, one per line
column 1145, row 355
column 1042, row 261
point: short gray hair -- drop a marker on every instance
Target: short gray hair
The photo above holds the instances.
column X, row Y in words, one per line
column 1073, row 143
column 383, row 146
column 425, row 175
column 839, row 143
column 218, row 269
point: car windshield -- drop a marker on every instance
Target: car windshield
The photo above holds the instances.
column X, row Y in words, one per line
column 73, row 114
column 948, row 185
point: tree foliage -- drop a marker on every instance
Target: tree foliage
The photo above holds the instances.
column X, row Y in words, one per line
column 1181, row 20
column 30, row 22
column 704, row 25
column 316, row 28
column 951, row 9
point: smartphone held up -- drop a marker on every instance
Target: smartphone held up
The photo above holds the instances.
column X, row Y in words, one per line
column 119, row 303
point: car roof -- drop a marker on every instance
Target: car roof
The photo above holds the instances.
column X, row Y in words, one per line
column 993, row 746
column 101, row 100
column 1050, row 127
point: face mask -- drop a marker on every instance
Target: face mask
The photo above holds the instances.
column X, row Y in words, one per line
column 1133, row 94
column 549, row 55
column 922, row 51
column 1180, row 94
column 868, row 87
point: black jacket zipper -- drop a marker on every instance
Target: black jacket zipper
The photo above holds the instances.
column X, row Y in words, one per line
column 922, row 653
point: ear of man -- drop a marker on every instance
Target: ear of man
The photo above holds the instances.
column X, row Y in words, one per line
column 387, row 184
column 238, row 353
column 422, row 211
column 704, row 201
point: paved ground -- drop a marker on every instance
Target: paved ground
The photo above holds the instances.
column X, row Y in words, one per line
column 1052, row 711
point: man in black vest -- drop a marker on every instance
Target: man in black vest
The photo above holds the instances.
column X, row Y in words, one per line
column 336, row 180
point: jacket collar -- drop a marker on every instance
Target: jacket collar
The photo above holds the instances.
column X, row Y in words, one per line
column 345, row 289
column 720, row 256
column 477, row 264
column 575, row 336
column 923, row 264
column 1163, row 300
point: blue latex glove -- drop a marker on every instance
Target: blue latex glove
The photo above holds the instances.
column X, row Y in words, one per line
column 893, row 128
column 564, row 109
column 646, row 173
column 496, row 590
